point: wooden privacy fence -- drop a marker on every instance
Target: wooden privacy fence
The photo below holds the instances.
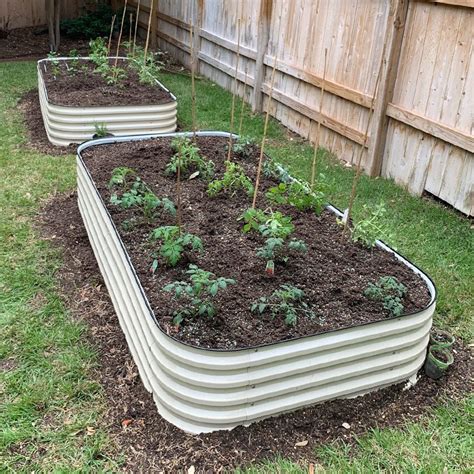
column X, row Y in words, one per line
column 421, row 133
column 24, row 13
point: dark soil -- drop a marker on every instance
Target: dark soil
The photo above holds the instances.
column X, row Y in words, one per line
column 85, row 87
column 33, row 43
column 150, row 444
column 333, row 274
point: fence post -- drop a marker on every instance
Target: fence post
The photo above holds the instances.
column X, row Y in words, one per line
column 393, row 39
column 264, row 19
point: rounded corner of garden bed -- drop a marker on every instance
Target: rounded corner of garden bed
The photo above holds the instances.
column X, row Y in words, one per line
column 68, row 124
column 202, row 390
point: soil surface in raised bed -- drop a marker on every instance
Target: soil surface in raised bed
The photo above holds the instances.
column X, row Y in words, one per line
column 149, row 443
column 333, row 273
column 87, row 88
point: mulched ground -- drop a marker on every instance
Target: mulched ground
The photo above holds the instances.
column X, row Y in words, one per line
column 83, row 87
column 150, row 443
column 333, row 273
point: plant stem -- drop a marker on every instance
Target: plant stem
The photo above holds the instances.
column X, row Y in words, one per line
column 318, row 130
column 229, row 151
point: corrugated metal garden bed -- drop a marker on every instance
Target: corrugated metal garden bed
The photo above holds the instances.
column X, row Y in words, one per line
column 71, row 123
column 202, row 389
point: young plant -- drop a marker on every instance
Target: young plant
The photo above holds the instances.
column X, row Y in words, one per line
column 244, row 146
column 101, row 130
column 390, row 291
column 369, row 229
column 268, row 223
column 120, row 176
column 74, row 61
column 277, row 250
column 113, row 75
column 54, row 62
column 147, row 67
column 299, row 195
column 234, row 179
column 287, row 301
column 275, row 171
column 199, row 292
column 187, row 154
column 173, row 244
column 98, row 53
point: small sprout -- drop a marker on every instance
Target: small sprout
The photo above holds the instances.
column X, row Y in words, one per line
column 187, row 155
column 147, row 68
column 268, row 223
column 54, row 61
column 277, row 250
column 120, row 176
column 199, row 292
column 299, row 195
column 74, row 61
column 243, row 146
column 234, row 179
column 173, row 244
column 369, row 229
column 98, row 52
column 286, row 302
column 276, row 171
column 101, row 130
column 390, row 292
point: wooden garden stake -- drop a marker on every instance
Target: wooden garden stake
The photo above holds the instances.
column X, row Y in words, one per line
column 232, row 110
column 193, row 87
column 120, row 34
column 318, row 130
column 243, row 101
column 148, row 32
column 136, row 29
column 110, row 35
column 130, row 33
column 270, row 94
column 355, row 181
column 178, row 192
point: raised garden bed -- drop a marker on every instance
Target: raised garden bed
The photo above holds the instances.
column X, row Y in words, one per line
column 239, row 366
column 75, row 104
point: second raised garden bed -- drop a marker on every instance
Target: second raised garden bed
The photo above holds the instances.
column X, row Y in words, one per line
column 240, row 366
column 75, row 105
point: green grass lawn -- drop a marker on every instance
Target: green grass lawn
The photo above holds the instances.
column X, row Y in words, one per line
column 51, row 404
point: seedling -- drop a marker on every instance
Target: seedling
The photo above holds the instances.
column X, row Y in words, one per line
column 101, row 130
column 234, row 179
column 139, row 195
column 275, row 171
column 277, row 250
column 113, row 75
column 368, row 230
column 299, row 195
column 120, row 176
column 54, row 61
column 74, row 61
column 199, row 292
column 147, row 67
column 390, row 291
column 287, row 301
column 98, row 53
column 244, row 146
column 268, row 223
column 188, row 158
column 173, row 244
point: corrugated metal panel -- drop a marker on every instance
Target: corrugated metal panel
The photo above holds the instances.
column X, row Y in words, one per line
column 202, row 390
column 66, row 125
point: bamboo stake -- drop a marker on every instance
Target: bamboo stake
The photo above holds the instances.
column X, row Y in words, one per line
column 232, row 110
column 148, row 32
column 243, row 101
column 120, row 34
column 130, row 33
column 265, row 127
column 110, row 35
column 178, row 193
column 318, row 130
column 136, row 28
column 355, row 181
column 193, row 86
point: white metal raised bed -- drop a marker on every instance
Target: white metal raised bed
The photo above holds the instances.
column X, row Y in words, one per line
column 65, row 125
column 201, row 390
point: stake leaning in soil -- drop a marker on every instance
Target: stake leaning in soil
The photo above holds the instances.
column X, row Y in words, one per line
column 232, row 110
column 243, row 101
column 355, row 181
column 193, row 87
column 265, row 127
column 318, row 129
column 148, row 33
column 136, row 28
column 110, row 35
column 120, row 35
